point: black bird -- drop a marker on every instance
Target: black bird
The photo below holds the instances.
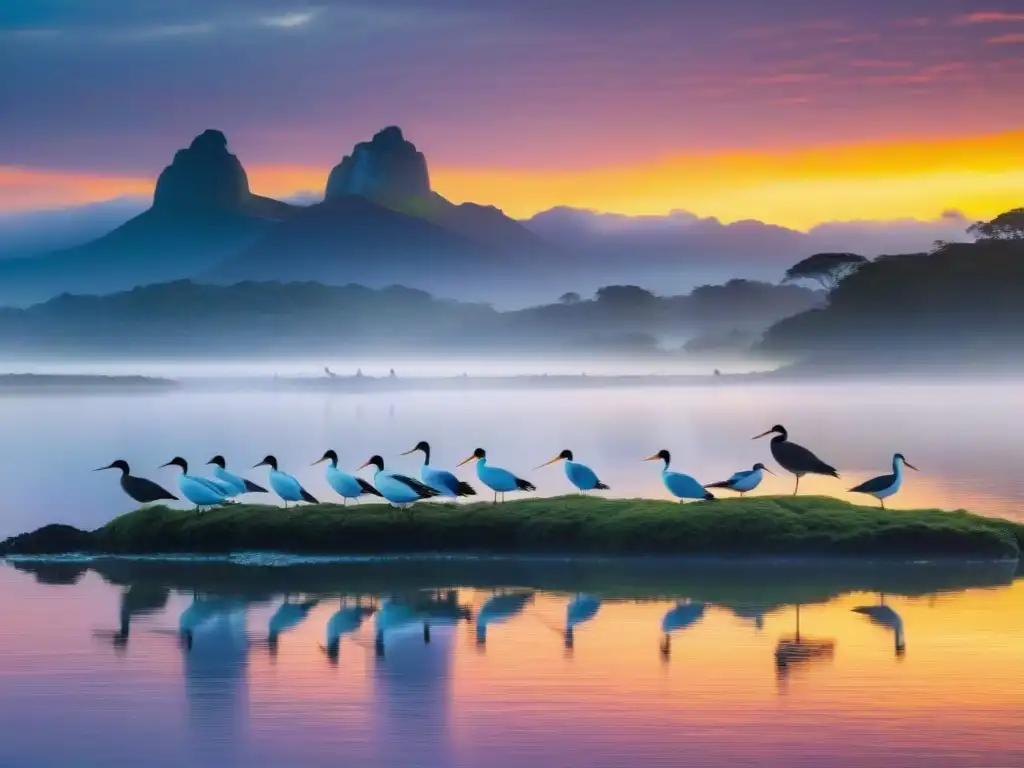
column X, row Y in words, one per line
column 139, row 488
column 795, row 458
column 221, row 473
column 440, row 479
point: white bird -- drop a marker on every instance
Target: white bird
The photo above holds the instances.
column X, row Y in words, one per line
column 744, row 480
column 884, row 486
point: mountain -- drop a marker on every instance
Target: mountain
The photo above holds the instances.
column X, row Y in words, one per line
column 32, row 233
column 202, row 212
column 381, row 223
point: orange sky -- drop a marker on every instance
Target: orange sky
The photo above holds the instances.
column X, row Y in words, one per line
column 979, row 175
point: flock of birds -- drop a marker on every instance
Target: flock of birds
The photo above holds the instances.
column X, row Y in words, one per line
column 401, row 490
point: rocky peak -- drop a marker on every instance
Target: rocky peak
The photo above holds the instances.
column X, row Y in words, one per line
column 203, row 177
column 385, row 168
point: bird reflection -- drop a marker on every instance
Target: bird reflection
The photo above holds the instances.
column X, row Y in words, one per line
column 498, row 609
column 581, row 608
column 798, row 651
column 422, row 611
column 754, row 613
column 346, row 620
column 680, row 616
column 287, row 617
column 137, row 600
column 884, row 616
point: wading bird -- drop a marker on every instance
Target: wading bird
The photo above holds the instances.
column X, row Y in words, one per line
column 400, row 490
column 580, row 475
column 744, row 480
column 345, row 485
column 138, row 488
column 284, row 485
column 238, row 485
column 201, row 491
column 498, row 480
column 441, row 480
column 679, row 485
column 884, row 486
column 795, row 458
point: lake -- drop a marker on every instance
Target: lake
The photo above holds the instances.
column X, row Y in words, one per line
column 529, row 662
column 964, row 438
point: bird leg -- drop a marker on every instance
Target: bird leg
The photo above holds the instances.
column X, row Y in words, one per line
column 495, row 498
column 796, row 489
column 882, row 502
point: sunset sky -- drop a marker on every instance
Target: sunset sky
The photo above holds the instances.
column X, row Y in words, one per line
column 793, row 112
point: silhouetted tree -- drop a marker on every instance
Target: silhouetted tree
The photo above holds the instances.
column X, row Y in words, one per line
column 826, row 269
column 625, row 295
column 569, row 298
column 1005, row 226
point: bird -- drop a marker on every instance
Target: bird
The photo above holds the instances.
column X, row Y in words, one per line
column 346, row 620
column 201, row 491
column 239, row 484
column 795, row 458
column 680, row 616
column 498, row 480
column 284, row 485
column 580, row 609
column 744, row 480
column 884, row 486
column 679, row 485
column 345, row 485
column 441, row 480
column 500, row 608
column 138, row 488
column 400, row 490
column 580, row 475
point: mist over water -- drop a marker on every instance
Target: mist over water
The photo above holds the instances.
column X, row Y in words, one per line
column 962, row 437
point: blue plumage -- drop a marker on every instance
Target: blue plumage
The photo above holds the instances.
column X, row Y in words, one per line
column 679, row 485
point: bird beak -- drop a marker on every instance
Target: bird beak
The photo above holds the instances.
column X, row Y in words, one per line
column 165, row 465
column 763, row 434
column 261, row 464
column 557, row 458
column 318, row 461
column 655, row 457
column 909, row 465
column 465, row 461
column 365, row 464
column 768, row 471
column 406, row 453
column 100, row 469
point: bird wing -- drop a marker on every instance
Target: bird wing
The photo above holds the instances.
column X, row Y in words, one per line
column 424, row 491
column 582, row 476
column 367, row 488
column 307, row 496
column 874, row 485
column 251, row 487
column 800, row 459
column 213, row 485
column 441, row 479
column 148, row 488
column 684, row 485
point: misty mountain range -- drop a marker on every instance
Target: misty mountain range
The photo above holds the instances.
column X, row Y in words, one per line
column 380, row 223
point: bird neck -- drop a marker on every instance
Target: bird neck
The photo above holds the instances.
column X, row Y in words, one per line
column 780, row 437
column 897, row 467
column 184, row 467
column 334, row 463
column 426, row 456
column 667, row 462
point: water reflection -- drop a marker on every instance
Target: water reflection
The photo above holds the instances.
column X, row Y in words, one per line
column 884, row 616
column 227, row 663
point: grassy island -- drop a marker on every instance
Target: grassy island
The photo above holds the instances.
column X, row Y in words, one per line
column 757, row 526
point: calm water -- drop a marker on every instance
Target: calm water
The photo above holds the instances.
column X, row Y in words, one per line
column 966, row 440
column 766, row 665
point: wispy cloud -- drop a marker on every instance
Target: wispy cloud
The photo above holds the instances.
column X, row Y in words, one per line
column 1015, row 38
column 989, row 17
column 288, row 20
column 789, row 78
column 929, row 74
column 163, row 32
column 865, row 37
column 880, row 64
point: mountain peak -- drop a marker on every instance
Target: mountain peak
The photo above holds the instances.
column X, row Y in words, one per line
column 203, row 177
column 387, row 168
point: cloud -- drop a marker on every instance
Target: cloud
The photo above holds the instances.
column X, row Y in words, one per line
column 288, row 20
column 989, row 17
column 787, row 78
column 866, row 37
column 1014, row 38
column 880, row 64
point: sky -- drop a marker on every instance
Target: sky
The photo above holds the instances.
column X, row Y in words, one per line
column 794, row 112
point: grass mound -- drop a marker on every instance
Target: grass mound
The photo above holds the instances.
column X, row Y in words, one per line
column 759, row 526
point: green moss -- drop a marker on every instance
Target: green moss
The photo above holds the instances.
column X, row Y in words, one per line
column 765, row 526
